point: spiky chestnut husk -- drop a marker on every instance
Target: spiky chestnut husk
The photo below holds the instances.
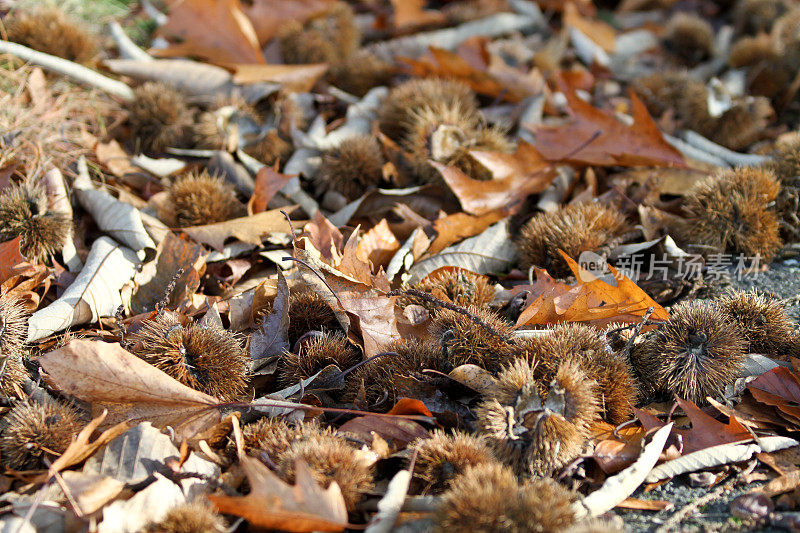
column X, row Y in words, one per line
column 617, row 386
column 330, row 459
column 689, row 37
column 13, row 379
column 360, row 72
column 768, row 75
column 465, row 341
column 694, row 355
column 13, row 327
column 308, row 311
column 32, row 432
column 755, row 16
column 198, row 198
column 325, row 39
column 731, row 211
column 749, row 51
column 573, row 229
column 482, row 499
column 487, row 498
column 24, row 213
column 205, row 358
column 274, row 436
column 456, row 285
column 741, row 125
column 159, row 117
column 617, row 335
column 379, row 377
column 442, row 457
column 50, row 30
column 271, row 149
column 761, row 320
column 546, row 425
column 196, row 517
column 396, row 113
column 677, row 91
column 352, row 168
column 314, row 355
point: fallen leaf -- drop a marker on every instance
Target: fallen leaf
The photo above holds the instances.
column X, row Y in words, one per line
column 591, row 300
column 455, row 227
column 272, row 337
column 246, row 229
column 409, row 406
column 598, row 31
column 269, row 16
column 597, row 138
column 108, row 376
column 378, row 245
column 12, row 262
column 293, row 78
column 92, row 492
column 644, row 505
column 394, row 430
column 94, row 293
column 514, row 177
column 172, row 255
column 268, row 182
column 412, row 13
column 779, row 388
column 274, row 504
column 83, row 447
column 216, row 30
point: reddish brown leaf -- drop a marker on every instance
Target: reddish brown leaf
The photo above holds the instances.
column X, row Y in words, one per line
column 268, row 182
column 458, row 226
column 594, row 301
column 398, row 431
column 514, row 177
column 597, row 138
column 293, row 78
column 216, row 30
column 411, row 13
column 409, row 406
column 12, row 262
column 268, row 16
column 778, row 388
column 324, row 237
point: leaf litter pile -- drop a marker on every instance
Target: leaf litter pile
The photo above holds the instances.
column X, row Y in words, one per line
column 313, row 265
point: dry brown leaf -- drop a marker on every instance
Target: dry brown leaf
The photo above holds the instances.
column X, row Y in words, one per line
column 458, row 226
column 644, row 505
column 412, row 13
column 268, row 182
column 514, row 177
column 705, row 431
column 12, row 262
column 598, row 31
column 293, row 78
column 397, row 431
column 378, row 245
column 215, row 30
column 597, row 138
column 269, row 16
column 779, row 388
column 594, row 302
column 108, row 376
column 274, row 504
column 246, row 229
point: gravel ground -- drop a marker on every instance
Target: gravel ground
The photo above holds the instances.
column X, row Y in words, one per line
column 783, row 281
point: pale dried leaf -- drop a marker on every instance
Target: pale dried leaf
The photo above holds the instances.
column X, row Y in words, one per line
column 149, row 505
column 94, row 293
column 119, row 219
column 246, row 229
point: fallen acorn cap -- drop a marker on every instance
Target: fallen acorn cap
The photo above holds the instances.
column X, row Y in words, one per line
column 351, row 168
column 199, row 198
column 396, row 113
column 24, row 213
column 34, row 431
column 689, row 36
column 315, row 354
column 159, row 117
column 575, row 228
column 195, row 517
column 546, row 425
column 330, row 458
column 695, row 355
column 476, row 336
column 200, row 356
column 327, row 38
column 50, row 30
column 761, row 320
column 731, row 211
column 442, row 457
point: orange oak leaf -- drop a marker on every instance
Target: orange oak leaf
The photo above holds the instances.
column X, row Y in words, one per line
column 591, row 300
column 458, row 226
column 597, row 138
column 412, row 13
column 378, row 245
column 268, row 182
column 215, row 30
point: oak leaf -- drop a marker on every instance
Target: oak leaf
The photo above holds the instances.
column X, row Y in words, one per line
column 597, row 138
column 274, row 504
column 268, row 182
column 245, row 229
column 269, row 16
column 779, row 388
